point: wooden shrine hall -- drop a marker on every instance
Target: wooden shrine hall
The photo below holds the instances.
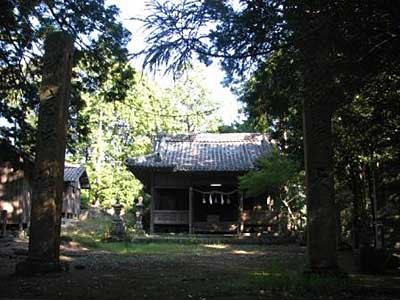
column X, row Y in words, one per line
column 193, row 180
column 16, row 182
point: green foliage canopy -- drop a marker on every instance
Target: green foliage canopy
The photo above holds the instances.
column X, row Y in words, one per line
column 325, row 55
column 100, row 40
column 274, row 172
column 127, row 128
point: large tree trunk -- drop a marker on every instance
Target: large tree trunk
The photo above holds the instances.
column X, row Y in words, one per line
column 356, row 190
column 44, row 239
column 321, row 238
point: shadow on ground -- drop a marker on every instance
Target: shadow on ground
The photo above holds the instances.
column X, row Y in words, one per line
column 183, row 271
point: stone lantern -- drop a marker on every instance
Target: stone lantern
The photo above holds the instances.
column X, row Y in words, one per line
column 139, row 216
column 118, row 227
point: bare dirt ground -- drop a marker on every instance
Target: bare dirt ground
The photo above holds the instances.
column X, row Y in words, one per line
column 204, row 272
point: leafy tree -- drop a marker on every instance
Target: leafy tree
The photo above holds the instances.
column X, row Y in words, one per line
column 127, row 128
column 366, row 153
column 193, row 100
column 363, row 134
column 118, row 130
column 100, row 41
column 279, row 177
column 274, row 171
column 237, row 126
column 273, row 103
column 330, row 42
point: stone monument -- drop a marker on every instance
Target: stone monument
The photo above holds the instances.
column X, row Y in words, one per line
column 44, row 238
column 139, row 216
column 118, row 232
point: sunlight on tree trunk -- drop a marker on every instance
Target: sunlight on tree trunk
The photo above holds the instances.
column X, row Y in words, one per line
column 44, row 240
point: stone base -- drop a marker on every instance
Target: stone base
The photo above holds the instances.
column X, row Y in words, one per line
column 115, row 238
column 326, row 272
column 118, row 233
column 140, row 232
column 118, row 227
column 29, row 267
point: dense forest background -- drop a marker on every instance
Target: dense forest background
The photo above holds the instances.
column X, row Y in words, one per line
column 277, row 56
column 115, row 111
column 127, row 128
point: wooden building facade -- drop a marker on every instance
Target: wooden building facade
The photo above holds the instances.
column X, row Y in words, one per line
column 75, row 179
column 193, row 181
column 16, row 175
column 16, row 181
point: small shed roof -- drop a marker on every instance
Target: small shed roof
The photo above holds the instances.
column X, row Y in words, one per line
column 210, row 152
column 8, row 152
column 74, row 174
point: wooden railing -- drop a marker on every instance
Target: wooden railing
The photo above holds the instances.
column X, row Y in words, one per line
column 181, row 217
column 262, row 217
column 215, row 227
column 171, row 217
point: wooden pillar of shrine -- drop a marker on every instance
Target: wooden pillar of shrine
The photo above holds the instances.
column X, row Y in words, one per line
column 190, row 210
column 240, row 221
column 152, row 205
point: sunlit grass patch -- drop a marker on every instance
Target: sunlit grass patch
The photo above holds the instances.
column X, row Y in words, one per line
column 216, row 246
column 89, row 232
column 245, row 252
column 152, row 248
column 86, row 239
column 92, row 233
column 144, row 248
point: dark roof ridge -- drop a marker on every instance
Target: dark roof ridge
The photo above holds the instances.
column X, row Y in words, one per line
column 213, row 137
column 204, row 152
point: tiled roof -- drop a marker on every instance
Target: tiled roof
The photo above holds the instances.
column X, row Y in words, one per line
column 224, row 152
column 72, row 173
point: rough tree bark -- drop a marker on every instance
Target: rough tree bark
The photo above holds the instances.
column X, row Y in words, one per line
column 44, row 240
column 321, row 237
column 322, row 91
